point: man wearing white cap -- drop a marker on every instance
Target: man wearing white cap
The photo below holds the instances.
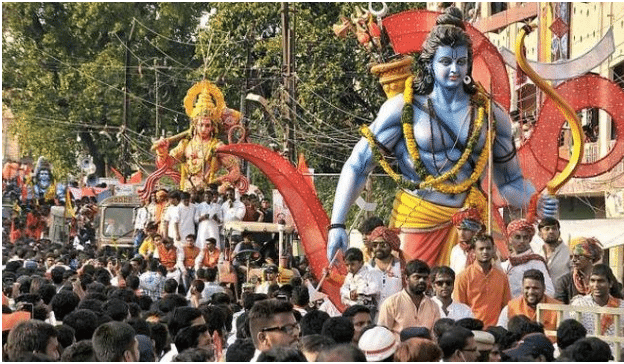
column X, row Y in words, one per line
column 378, row 344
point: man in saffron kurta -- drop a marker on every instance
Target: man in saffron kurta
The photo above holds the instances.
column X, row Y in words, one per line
column 209, row 256
column 533, row 288
column 410, row 307
column 481, row 286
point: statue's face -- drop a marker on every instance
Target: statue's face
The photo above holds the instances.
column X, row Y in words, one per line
column 44, row 177
column 205, row 129
column 450, row 66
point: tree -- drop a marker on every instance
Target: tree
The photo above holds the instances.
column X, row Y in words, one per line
column 335, row 91
column 63, row 67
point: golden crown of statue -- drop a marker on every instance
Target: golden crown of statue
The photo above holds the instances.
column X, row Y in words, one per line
column 204, row 99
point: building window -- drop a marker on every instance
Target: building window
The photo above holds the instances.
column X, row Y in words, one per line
column 498, row 7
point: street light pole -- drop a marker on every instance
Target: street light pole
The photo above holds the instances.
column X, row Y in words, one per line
column 126, row 108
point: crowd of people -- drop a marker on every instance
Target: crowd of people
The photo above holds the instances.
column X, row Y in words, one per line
column 180, row 296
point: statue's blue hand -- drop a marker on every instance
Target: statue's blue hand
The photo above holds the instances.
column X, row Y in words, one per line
column 547, row 206
column 337, row 239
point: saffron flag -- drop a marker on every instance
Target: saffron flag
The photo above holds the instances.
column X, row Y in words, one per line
column 69, row 209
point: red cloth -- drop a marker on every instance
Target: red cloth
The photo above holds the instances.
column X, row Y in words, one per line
column 426, row 246
column 388, row 235
column 520, row 224
column 470, row 213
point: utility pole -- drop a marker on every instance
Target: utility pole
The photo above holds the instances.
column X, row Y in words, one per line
column 288, row 72
column 126, row 108
column 156, row 96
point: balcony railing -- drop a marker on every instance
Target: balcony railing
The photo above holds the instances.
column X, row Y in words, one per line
column 565, row 311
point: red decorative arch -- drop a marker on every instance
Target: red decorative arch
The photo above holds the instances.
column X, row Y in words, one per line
column 307, row 211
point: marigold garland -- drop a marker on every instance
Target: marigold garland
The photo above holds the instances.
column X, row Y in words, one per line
column 427, row 180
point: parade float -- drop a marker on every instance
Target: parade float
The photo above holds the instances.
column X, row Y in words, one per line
column 201, row 152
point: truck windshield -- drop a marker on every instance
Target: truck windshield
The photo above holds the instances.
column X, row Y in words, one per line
column 118, row 221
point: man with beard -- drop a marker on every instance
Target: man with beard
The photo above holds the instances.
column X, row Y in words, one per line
column 557, row 254
column 468, row 224
column 533, row 288
column 481, row 286
column 383, row 241
column 584, row 253
column 410, row 307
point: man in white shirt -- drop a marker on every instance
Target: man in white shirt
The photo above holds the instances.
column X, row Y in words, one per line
column 523, row 258
column 468, row 223
column 361, row 286
column 382, row 242
column 443, row 281
column 557, row 253
column 233, row 210
column 186, row 217
column 170, row 218
column 208, row 216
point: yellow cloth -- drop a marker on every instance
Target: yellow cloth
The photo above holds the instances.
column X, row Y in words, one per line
column 426, row 229
column 147, row 247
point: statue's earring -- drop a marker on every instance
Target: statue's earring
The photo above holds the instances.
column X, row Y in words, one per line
column 467, row 80
column 428, row 78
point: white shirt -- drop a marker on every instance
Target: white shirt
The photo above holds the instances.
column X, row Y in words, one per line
column 208, row 228
column 503, row 318
column 390, row 280
column 365, row 281
column 456, row 310
column 171, row 216
column 587, row 319
column 458, row 259
column 236, row 212
column 514, row 274
column 186, row 220
column 141, row 219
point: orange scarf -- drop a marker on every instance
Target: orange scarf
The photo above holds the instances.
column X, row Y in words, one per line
column 606, row 320
column 519, row 306
column 580, row 284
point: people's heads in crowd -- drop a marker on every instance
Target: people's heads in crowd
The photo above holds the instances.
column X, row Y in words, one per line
column 312, row 322
column 341, row 353
column 485, row 343
column 383, row 241
column 584, row 252
column 115, row 341
column 354, row 259
column 549, row 230
column 63, row 303
column 195, row 355
column 568, row 332
column 80, row 351
column 378, row 343
column 411, row 332
column 360, row 317
column 417, row 349
column 520, row 233
column 442, row 325
column 417, row 276
column 300, row 296
column 442, row 280
column 367, row 227
column 468, row 223
column 533, row 286
column 312, row 345
column 589, row 349
column 532, row 347
column 521, row 325
column 117, row 309
column 458, row 344
column 65, row 335
column 195, row 336
column 339, row 328
column 470, row 323
column 484, row 248
column 32, row 336
column 272, row 323
column 603, row 283
column 279, row 354
column 242, row 350
column 184, row 316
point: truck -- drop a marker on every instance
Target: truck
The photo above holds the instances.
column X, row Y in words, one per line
column 115, row 221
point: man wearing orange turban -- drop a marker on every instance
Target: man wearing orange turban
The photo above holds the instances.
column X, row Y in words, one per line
column 520, row 232
column 383, row 242
column 468, row 223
